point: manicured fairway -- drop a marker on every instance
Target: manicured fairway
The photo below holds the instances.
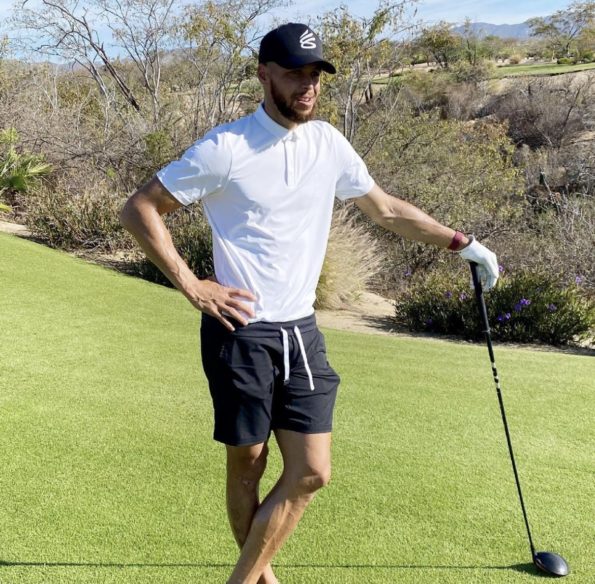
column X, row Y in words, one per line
column 541, row 69
column 109, row 474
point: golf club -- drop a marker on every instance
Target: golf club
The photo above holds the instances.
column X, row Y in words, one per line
column 547, row 562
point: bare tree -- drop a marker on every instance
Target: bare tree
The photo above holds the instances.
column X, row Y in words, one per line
column 221, row 41
column 73, row 31
column 364, row 55
column 562, row 29
column 66, row 29
column 142, row 29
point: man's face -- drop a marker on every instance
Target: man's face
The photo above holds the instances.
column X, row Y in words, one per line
column 294, row 92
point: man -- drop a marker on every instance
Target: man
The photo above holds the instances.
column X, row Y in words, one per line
column 267, row 183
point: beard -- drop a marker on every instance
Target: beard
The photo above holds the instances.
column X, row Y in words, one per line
column 289, row 112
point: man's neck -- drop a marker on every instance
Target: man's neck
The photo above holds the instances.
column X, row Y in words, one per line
column 271, row 110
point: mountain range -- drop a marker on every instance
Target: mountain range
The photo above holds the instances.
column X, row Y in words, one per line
column 520, row 31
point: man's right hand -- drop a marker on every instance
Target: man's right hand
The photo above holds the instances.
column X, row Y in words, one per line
column 220, row 301
column 141, row 216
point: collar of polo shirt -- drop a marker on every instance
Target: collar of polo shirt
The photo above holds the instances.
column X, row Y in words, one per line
column 273, row 127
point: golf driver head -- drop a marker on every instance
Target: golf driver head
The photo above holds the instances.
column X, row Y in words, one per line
column 551, row 564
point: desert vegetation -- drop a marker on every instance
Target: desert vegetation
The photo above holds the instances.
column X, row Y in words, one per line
column 511, row 160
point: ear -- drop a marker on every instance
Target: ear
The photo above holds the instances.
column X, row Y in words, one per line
column 262, row 73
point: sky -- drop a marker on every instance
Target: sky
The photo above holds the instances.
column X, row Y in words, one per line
column 430, row 11
column 455, row 11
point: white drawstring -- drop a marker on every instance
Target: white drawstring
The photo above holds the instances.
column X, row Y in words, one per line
column 298, row 335
column 296, row 330
column 285, row 356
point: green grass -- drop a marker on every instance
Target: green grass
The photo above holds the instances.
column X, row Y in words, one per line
column 540, row 69
column 109, row 473
column 534, row 69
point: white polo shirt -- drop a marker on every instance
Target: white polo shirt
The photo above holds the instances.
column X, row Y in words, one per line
column 268, row 195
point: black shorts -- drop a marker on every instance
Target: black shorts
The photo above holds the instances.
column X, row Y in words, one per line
column 267, row 376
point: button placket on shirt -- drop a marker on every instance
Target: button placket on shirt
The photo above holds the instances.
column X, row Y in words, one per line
column 289, row 143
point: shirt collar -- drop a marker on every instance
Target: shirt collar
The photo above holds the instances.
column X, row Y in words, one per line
column 273, row 127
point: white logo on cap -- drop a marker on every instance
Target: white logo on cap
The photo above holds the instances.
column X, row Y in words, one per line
column 308, row 40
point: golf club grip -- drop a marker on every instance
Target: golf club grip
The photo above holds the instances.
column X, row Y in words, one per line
column 481, row 306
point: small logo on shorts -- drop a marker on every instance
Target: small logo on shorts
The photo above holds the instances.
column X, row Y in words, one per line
column 308, row 40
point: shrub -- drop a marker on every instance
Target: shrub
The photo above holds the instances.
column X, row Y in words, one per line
column 462, row 174
column 464, row 100
column 424, row 91
column 557, row 228
column 544, row 112
column 457, row 93
column 352, row 260
column 523, row 308
column 68, row 219
column 464, row 72
column 191, row 236
column 20, row 172
column 566, row 61
column 159, row 150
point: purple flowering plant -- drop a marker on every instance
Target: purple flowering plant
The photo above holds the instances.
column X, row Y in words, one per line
column 522, row 303
column 524, row 307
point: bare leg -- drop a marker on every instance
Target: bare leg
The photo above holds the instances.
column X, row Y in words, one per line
column 245, row 467
column 306, row 459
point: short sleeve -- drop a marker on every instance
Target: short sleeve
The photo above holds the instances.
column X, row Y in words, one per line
column 202, row 170
column 353, row 179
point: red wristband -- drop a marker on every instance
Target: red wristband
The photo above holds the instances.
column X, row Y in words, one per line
column 456, row 241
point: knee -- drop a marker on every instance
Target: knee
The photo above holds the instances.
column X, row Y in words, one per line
column 247, row 464
column 310, row 481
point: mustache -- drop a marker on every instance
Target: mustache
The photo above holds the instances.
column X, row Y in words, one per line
column 288, row 109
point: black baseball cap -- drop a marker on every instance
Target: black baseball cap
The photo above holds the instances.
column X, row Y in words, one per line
column 292, row 46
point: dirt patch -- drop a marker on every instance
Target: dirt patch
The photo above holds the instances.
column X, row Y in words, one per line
column 370, row 314
column 14, row 228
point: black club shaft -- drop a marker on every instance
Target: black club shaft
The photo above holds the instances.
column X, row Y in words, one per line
column 483, row 313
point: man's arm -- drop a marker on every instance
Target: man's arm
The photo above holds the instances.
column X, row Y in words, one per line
column 405, row 219
column 412, row 223
column 141, row 216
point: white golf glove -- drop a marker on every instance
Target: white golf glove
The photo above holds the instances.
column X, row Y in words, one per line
column 487, row 264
